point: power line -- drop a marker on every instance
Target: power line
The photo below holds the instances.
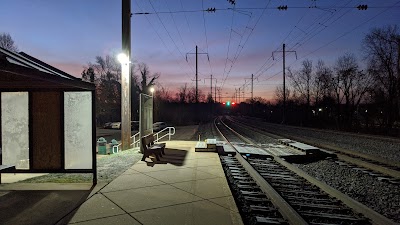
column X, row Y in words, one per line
column 169, row 34
column 281, row 7
column 159, row 36
column 259, row 18
column 187, row 22
column 310, row 29
column 205, row 33
column 337, row 38
column 349, row 31
column 227, row 53
column 173, row 20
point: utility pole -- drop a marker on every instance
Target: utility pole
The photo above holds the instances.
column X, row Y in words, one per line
column 126, row 77
column 215, row 90
column 252, row 81
column 252, row 85
column 239, row 95
column 211, row 79
column 197, row 86
column 284, row 84
column 211, row 85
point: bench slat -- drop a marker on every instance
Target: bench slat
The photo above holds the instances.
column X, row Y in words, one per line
column 149, row 147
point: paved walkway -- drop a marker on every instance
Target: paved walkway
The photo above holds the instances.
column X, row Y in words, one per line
column 186, row 187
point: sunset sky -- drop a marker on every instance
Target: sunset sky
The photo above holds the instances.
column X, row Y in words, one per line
column 70, row 33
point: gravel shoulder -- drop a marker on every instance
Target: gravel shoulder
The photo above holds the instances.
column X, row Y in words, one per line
column 382, row 197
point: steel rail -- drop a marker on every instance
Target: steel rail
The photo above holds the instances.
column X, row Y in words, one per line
column 283, row 206
column 369, row 213
column 342, row 154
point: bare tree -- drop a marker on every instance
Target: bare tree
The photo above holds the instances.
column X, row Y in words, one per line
column 382, row 50
column 181, row 96
column 7, row 42
column 191, row 95
column 302, row 80
column 147, row 79
column 88, row 75
column 322, row 87
column 105, row 73
column 107, row 68
column 162, row 94
column 352, row 84
column 279, row 94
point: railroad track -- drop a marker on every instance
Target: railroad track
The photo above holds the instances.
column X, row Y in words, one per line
column 269, row 190
column 379, row 168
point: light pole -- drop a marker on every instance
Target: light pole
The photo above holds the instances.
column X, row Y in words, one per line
column 152, row 107
column 124, row 58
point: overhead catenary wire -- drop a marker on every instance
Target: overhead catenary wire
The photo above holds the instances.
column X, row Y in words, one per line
column 162, row 41
column 337, row 38
column 255, row 8
column 176, row 26
column 226, row 76
column 173, row 41
column 306, row 37
column 205, row 34
column 296, row 39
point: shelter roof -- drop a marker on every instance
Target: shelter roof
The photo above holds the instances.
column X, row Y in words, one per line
column 20, row 71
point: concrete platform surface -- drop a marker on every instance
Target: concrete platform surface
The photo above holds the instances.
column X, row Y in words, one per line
column 185, row 187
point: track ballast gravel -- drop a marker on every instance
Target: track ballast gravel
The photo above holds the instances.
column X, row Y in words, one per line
column 381, row 196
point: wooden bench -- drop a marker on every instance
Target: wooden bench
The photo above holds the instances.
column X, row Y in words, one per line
column 150, row 148
column 162, row 145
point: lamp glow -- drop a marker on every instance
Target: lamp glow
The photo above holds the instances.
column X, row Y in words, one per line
column 122, row 58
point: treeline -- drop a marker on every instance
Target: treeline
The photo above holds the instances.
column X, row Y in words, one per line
column 345, row 96
column 353, row 94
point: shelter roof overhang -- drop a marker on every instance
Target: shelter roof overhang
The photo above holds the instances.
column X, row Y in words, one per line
column 19, row 71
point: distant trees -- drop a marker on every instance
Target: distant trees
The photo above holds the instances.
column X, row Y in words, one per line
column 7, row 42
column 321, row 86
column 351, row 86
column 188, row 95
column 302, row 80
column 105, row 73
column 348, row 94
column 381, row 48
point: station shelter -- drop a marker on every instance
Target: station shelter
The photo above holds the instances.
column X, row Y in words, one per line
column 47, row 118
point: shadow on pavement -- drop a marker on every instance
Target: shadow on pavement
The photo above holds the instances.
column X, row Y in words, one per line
column 172, row 156
column 40, row 207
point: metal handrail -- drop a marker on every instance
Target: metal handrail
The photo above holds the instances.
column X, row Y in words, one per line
column 169, row 134
column 135, row 139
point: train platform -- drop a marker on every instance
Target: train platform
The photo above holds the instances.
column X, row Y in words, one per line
column 184, row 187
